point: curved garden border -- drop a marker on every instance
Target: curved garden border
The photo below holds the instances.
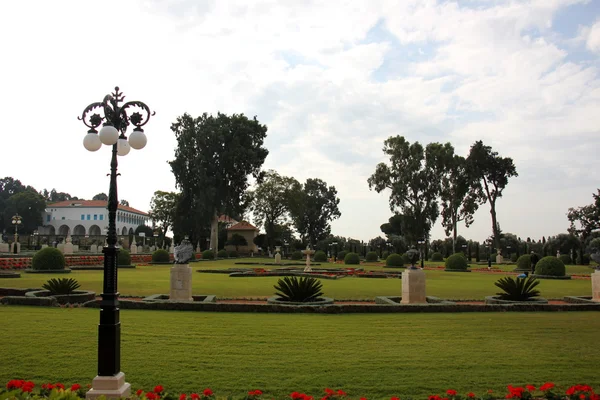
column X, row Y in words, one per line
column 9, row 274
column 47, row 271
column 496, row 300
column 565, row 277
column 78, row 296
column 321, row 301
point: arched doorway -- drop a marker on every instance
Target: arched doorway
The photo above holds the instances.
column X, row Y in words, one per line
column 131, row 232
column 51, row 230
column 95, row 230
column 63, row 230
column 79, row 230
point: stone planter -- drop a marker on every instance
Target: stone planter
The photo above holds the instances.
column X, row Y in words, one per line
column 78, row 296
column 321, row 301
column 497, row 300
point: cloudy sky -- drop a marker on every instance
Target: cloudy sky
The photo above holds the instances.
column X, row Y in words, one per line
column 331, row 80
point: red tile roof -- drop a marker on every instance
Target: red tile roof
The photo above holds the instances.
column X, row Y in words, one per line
column 92, row 203
column 242, row 226
column 228, row 219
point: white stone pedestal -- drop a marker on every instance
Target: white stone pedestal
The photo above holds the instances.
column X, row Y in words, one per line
column 413, row 287
column 3, row 247
column 596, row 286
column 181, row 283
column 499, row 259
column 133, row 249
column 112, row 387
column 277, row 255
column 68, row 248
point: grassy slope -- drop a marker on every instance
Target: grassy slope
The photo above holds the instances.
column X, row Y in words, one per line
column 372, row 355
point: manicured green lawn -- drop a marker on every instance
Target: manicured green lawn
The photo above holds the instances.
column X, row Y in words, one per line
column 147, row 280
column 376, row 356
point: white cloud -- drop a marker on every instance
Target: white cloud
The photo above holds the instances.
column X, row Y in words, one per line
column 593, row 38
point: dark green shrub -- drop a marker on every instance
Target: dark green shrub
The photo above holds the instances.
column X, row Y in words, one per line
column 208, row 255
column 405, row 259
column 222, row 253
column 513, row 257
column 320, row 256
column 297, row 255
column 456, row 262
column 352, row 259
column 61, row 285
column 49, row 258
column 371, row 256
column 385, row 255
column 551, row 266
column 437, row 256
column 124, row 257
column 341, row 255
column 233, row 254
column 585, row 259
column 303, row 289
column 566, row 259
column 517, row 289
column 394, row 260
column 524, row 263
column 160, row 256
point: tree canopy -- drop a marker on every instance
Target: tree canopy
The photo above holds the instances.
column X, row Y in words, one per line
column 162, row 209
column 100, row 196
column 30, row 205
column 8, row 188
column 584, row 220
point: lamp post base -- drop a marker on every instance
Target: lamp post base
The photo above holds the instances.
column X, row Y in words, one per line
column 111, row 387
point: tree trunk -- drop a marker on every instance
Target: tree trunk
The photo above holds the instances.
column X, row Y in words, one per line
column 454, row 237
column 495, row 226
column 214, row 232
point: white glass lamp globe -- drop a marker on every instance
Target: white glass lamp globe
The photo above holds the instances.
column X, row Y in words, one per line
column 123, row 147
column 137, row 139
column 108, row 135
column 92, row 142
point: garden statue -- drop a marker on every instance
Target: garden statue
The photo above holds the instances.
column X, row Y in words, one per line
column 308, row 252
column 184, row 252
column 413, row 257
column 557, row 253
column 181, row 273
column 277, row 255
column 534, row 259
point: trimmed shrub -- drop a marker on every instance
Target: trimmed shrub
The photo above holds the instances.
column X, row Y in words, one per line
column 352, row 259
column 585, row 259
column 320, row 256
column 208, row 255
column 405, row 259
column 456, row 262
column 385, row 255
column 61, row 286
column 524, row 263
column 233, row 254
column 341, row 255
column 124, row 257
column 566, row 259
column 372, row 256
column 160, row 256
column 49, row 258
column 222, row 253
column 437, row 256
column 513, row 257
column 550, row 266
column 394, row 260
column 297, row 255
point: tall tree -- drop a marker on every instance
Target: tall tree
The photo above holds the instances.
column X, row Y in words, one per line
column 271, row 201
column 492, row 173
column 313, row 207
column 9, row 187
column 457, row 204
column 214, row 157
column 124, row 202
column 30, row 205
column 584, row 220
column 162, row 209
column 54, row 197
column 413, row 177
column 100, row 196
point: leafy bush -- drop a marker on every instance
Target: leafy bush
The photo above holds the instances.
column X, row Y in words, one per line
column 342, row 255
column 456, row 262
column 405, row 259
column 352, row 259
column 437, row 256
column 124, row 257
column 303, row 289
column 585, row 259
column 524, row 263
column 49, row 258
column 385, row 255
column 297, row 255
column 513, row 257
column 372, row 256
column 61, row 285
column 394, row 260
column 566, row 259
column 160, row 256
column 233, row 254
column 222, row 253
column 208, row 255
column 517, row 289
column 320, row 256
column 551, row 266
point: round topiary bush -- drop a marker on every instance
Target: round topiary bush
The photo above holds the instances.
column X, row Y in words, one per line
column 222, row 253
column 124, row 257
column 341, row 255
column 320, row 256
column 352, row 259
column 550, row 266
column 456, row 262
column 297, row 255
column 394, row 260
column 437, row 256
column 49, row 258
column 372, row 256
column 208, row 255
column 160, row 256
column 385, row 255
column 566, row 259
column 524, row 263
column 405, row 259
column 513, row 257
column 233, row 254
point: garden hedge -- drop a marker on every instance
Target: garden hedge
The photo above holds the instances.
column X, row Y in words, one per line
column 320, row 256
column 550, row 266
column 352, row 259
column 456, row 262
column 371, row 257
column 437, row 256
column 208, row 255
column 394, row 260
column 124, row 257
column 160, row 256
column 48, row 258
column 524, row 263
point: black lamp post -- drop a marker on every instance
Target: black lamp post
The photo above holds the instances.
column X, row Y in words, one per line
column 16, row 221
column 422, row 252
column 110, row 380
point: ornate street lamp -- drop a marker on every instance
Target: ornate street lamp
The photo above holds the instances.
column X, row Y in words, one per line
column 422, row 251
column 110, row 381
column 16, row 221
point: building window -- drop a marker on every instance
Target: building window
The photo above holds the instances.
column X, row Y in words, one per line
column 88, row 217
column 101, row 217
column 82, row 217
column 63, row 218
column 95, row 217
column 47, row 218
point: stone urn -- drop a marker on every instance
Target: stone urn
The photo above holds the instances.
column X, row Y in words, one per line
column 308, row 252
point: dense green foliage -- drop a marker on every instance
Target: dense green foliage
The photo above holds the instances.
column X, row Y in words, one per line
column 208, row 255
column 298, row 289
column 232, row 254
column 385, row 255
column 437, row 256
column 296, row 255
column 222, row 253
column 61, row 285
column 524, row 263
column 124, row 257
column 550, row 266
column 372, row 256
column 320, row 256
column 352, row 259
column 517, row 289
column 48, row 258
column 341, row 255
column 456, row 262
column 162, row 210
column 566, row 259
column 394, row 260
column 160, row 256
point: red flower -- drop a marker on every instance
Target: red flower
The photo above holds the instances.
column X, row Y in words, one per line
column 329, row 392
column 183, row 396
column 194, row 396
column 27, row 386
column 14, row 384
column 296, row 395
column 158, row 389
column 470, row 395
column 570, row 391
column 363, row 398
column 207, row 392
column 582, row 396
column 341, row 392
column 139, row 392
column 59, row 385
column 546, row 386
column 394, row 398
column 530, row 388
column 255, row 393
column 451, row 392
column 75, row 387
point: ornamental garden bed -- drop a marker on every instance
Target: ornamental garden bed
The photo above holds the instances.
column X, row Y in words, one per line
column 47, row 271
column 498, row 300
column 9, row 274
column 78, row 296
column 564, row 277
